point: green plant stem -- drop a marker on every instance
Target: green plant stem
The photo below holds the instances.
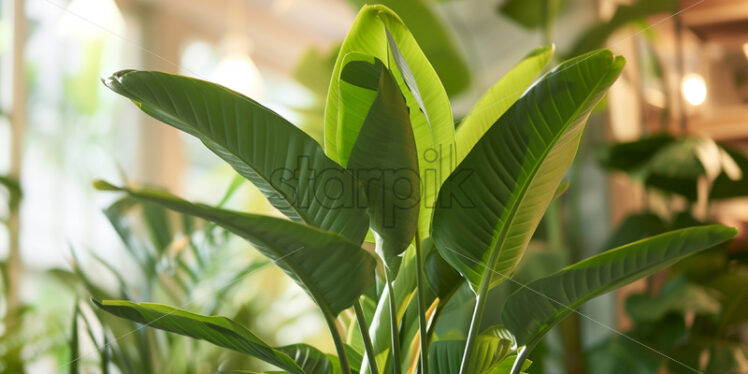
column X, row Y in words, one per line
column 364, row 329
column 521, row 357
column 344, row 365
column 105, row 357
column 423, row 327
column 480, row 306
column 394, row 331
column 570, row 329
column 572, row 340
column 74, row 355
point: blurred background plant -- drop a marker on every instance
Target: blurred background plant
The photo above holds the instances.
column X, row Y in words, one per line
column 174, row 259
column 693, row 312
column 10, row 343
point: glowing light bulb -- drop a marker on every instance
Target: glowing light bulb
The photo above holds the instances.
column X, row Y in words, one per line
column 694, row 89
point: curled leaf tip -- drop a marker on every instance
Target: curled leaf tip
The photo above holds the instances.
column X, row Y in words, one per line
column 119, row 74
column 114, row 81
column 619, row 61
column 732, row 231
column 102, row 185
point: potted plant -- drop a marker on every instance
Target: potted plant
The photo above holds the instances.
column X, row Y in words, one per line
column 442, row 207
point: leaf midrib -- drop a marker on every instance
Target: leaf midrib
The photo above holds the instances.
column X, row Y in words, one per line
column 499, row 240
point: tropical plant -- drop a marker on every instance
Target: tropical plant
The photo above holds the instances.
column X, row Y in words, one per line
column 175, row 257
column 388, row 169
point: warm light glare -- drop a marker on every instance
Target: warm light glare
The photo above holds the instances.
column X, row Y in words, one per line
column 694, row 89
column 239, row 73
column 745, row 49
column 91, row 19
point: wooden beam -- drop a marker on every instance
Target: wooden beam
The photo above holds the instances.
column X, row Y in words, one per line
column 713, row 11
column 161, row 157
column 18, row 118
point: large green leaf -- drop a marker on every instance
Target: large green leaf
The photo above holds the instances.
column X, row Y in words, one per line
column 333, row 270
column 442, row 278
column 499, row 98
column 287, row 165
column 220, row 331
column 379, row 33
column 355, row 357
column 434, row 38
column 358, row 89
column 532, row 310
column 384, row 160
column 491, row 204
column 445, row 356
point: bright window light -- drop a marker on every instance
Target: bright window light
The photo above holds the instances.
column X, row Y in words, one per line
column 694, row 89
column 239, row 73
column 236, row 70
column 91, row 19
column 745, row 49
